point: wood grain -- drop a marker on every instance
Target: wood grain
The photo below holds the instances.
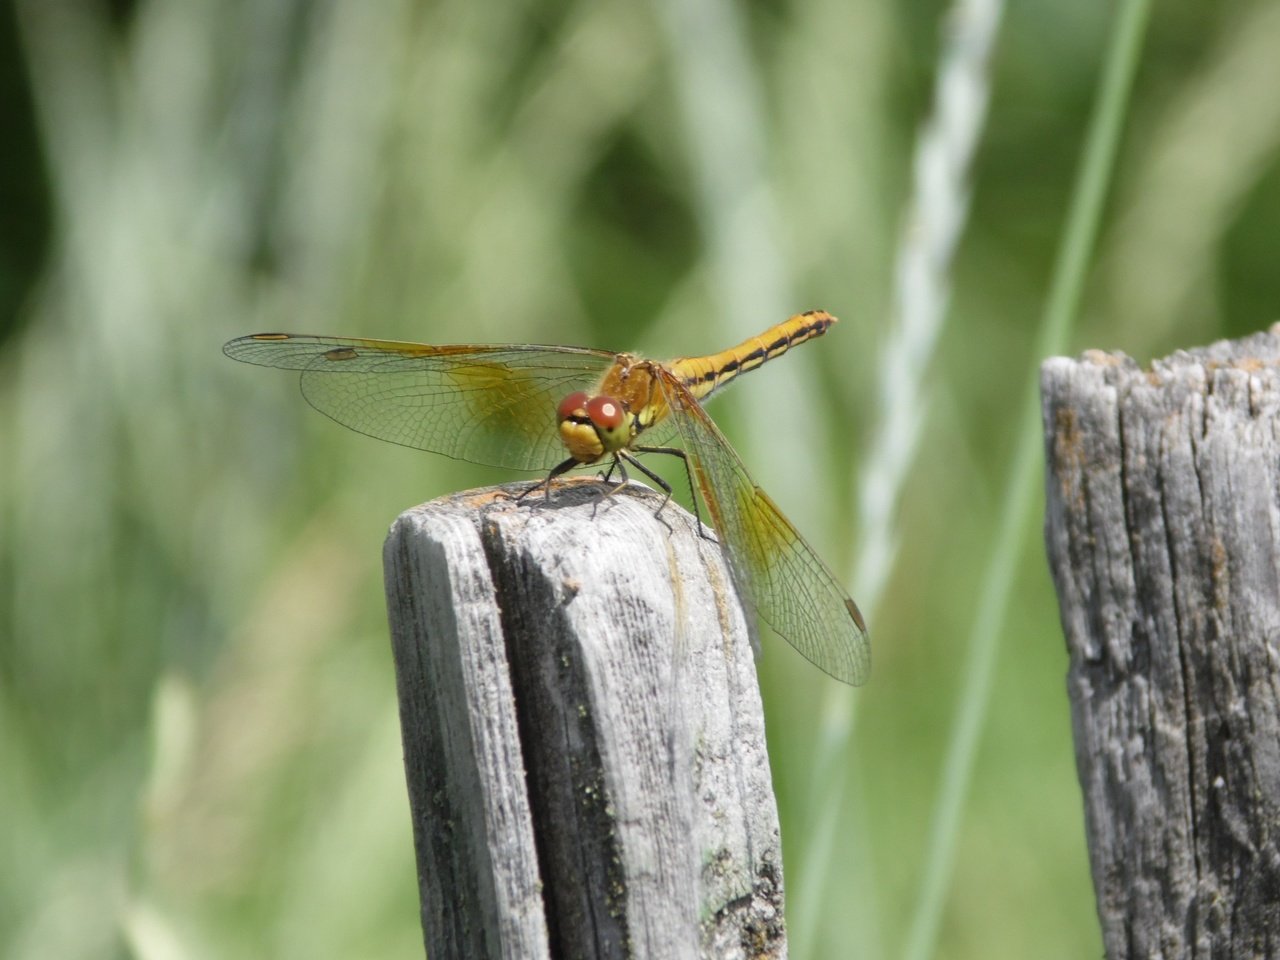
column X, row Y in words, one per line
column 584, row 742
column 1163, row 534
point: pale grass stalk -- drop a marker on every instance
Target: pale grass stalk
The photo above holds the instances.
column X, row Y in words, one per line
column 1061, row 307
column 934, row 225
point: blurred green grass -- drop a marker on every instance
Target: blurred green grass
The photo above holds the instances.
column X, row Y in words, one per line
column 199, row 753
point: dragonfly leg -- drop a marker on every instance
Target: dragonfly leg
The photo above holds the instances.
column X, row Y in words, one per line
column 666, row 487
column 557, row 470
column 622, row 471
column 684, row 458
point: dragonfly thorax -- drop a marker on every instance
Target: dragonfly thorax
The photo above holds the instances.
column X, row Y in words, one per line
column 592, row 427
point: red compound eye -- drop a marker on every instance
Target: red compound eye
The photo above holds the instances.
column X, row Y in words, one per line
column 571, row 405
column 605, row 412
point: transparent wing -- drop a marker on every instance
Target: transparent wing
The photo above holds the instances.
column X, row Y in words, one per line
column 487, row 403
column 788, row 584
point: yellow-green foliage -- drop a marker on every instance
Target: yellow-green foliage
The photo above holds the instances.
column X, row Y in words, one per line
column 199, row 745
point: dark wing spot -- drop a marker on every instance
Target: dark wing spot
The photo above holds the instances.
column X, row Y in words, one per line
column 271, row 336
column 856, row 614
column 340, row 353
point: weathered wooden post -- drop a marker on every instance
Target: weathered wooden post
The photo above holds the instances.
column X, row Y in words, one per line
column 584, row 743
column 1163, row 532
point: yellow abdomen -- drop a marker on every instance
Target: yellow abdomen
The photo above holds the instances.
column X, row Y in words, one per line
column 704, row 375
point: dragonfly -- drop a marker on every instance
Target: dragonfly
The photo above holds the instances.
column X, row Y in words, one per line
column 554, row 408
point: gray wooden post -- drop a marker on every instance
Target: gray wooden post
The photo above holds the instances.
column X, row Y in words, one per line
column 1163, row 533
column 584, row 744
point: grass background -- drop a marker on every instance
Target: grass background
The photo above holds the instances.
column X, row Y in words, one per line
column 199, row 747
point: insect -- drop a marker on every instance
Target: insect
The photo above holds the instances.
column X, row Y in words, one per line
column 524, row 407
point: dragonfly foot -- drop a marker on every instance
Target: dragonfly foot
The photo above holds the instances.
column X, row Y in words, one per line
column 534, row 488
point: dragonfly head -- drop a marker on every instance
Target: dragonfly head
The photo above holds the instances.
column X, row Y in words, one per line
column 591, row 427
